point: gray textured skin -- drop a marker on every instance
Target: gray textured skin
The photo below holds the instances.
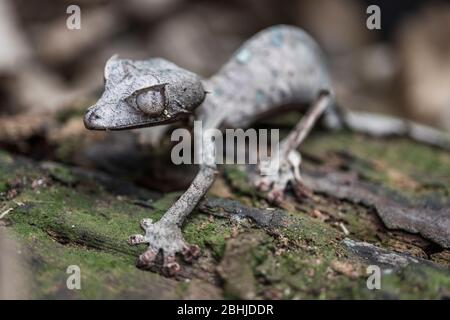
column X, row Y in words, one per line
column 278, row 67
column 124, row 79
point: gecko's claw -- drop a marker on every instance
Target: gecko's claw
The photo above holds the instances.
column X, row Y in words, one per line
column 147, row 259
column 165, row 240
column 273, row 186
column 301, row 191
column 262, row 184
column 190, row 252
column 275, row 195
column 146, row 223
column 171, row 266
column 136, row 239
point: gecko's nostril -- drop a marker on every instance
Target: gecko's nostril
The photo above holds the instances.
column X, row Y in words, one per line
column 90, row 117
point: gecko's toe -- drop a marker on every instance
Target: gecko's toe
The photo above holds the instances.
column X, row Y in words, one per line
column 136, row 239
column 190, row 252
column 171, row 266
column 165, row 242
column 147, row 259
column 302, row 192
column 276, row 196
column 263, row 185
column 146, row 223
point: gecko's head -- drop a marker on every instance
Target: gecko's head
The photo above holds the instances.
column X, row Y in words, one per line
column 144, row 93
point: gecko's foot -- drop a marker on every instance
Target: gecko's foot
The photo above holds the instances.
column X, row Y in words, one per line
column 276, row 183
column 164, row 240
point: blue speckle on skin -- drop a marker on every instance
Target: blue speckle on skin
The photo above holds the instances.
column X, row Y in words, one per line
column 277, row 38
column 260, row 96
column 243, row 56
column 217, row 92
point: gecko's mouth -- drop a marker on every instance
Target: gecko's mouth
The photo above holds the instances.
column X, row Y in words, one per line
column 94, row 121
column 138, row 126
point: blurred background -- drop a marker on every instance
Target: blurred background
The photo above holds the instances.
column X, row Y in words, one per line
column 50, row 72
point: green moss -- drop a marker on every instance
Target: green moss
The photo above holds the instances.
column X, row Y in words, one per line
column 88, row 227
column 398, row 152
column 5, row 158
column 304, row 228
column 72, row 221
column 238, row 180
column 3, row 186
column 103, row 275
column 70, row 216
column 300, row 274
column 412, row 282
column 301, row 268
column 418, row 282
column 295, row 272
column 380, row 160
column 62, row 174
column 206, row 233
column 237, row 266
column 17, row 172
column 66, row 151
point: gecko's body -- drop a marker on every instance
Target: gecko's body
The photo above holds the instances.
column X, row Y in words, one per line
column 278, row 67
column 281, row 66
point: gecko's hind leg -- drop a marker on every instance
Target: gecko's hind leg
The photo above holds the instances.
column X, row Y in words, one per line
column 166, row 239
column 289, row 158
column 275, row 184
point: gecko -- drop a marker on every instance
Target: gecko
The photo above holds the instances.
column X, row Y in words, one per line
column 280, row 68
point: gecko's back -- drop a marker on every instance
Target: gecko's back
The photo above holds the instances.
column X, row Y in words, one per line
column 278, row 66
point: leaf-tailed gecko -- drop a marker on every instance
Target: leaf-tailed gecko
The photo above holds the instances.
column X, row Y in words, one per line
column 279, row 67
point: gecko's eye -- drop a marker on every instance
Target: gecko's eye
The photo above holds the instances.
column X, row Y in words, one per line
column 151, row 101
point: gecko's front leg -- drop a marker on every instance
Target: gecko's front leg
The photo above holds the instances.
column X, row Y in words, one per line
column 164, row 236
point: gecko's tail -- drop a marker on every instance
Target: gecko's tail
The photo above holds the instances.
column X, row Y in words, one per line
column 379, row 125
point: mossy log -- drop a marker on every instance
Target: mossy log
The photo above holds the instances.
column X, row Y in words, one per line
column 315, row 247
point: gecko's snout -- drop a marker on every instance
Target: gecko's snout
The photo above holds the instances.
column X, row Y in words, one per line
column 92, row 119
